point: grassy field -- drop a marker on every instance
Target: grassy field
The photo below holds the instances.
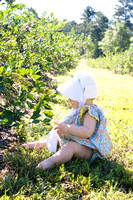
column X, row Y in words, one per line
column 109, row 179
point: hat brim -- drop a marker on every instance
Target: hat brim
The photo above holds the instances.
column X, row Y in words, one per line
column 71, row 89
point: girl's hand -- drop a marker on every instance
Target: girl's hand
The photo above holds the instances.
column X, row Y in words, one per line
column 61, row 128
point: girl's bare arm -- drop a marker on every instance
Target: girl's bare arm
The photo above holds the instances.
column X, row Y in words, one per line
column 85, row 131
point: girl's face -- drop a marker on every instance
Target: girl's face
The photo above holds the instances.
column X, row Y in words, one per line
column 74, row 104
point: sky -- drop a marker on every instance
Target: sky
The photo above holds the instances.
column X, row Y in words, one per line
column 71, row 9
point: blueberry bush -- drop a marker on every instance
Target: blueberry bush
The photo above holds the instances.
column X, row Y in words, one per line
column 33, row 49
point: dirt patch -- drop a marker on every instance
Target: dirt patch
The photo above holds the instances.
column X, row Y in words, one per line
column 8, row 140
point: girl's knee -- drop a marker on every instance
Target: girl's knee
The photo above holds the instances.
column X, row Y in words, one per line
column 77, row 150
column 74, row 147
column 71, row 146
column 80, row 151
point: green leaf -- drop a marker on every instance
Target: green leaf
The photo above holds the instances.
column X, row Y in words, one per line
column 36, row 77
column 30, row 104
column 1, row 86
column 48, row 113
column 47, row 120
column 23, row 95
column 48, row 107
column 7, row 116
column 30, row 96
column 36, row 112
column 37, row 108
column 5, row 120
column 35, row 115
column 36, row 121
column 16, row 124
column 17, row 103
column 1, row 78
column 21, row 71
column 1, row 70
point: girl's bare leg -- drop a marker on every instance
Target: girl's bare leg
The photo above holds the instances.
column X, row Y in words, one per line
column 69, row 150
column 36, row 144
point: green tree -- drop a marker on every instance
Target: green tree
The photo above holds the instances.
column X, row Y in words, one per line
column 32, row 11
column 106, row 44
column 96, row 30
column 116, row 39
column 131, row 44
column 69, row 26
column 90, row 47
column 102, row 22
column 124, row 12
column 88, row 14
column 94, row 26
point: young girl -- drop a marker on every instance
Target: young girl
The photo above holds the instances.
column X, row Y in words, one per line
column 83, row 133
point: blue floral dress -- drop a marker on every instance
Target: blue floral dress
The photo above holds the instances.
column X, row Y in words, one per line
column 99, row 141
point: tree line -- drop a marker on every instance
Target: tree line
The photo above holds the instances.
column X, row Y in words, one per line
column 100, row 36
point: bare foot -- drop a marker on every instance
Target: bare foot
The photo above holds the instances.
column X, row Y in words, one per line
column 29, row 145
column 46, row 164
column 36, row 145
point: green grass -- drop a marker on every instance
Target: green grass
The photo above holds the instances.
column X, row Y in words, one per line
column 109, row 179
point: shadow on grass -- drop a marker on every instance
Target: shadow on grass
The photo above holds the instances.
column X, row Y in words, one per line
column 22, row 174
column 103, row 171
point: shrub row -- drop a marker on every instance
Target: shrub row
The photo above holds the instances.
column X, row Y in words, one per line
column 120, row 63
column 32, row 49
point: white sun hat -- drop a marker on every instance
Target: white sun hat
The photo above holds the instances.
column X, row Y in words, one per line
column 81, row 87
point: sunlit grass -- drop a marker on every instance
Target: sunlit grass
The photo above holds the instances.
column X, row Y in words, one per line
column 111, row 178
